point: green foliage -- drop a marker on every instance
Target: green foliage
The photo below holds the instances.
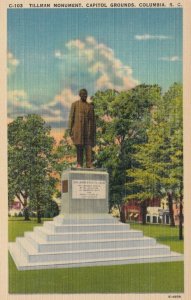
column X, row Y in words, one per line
column 64, row 154
column 158, row 163
column 50, row 210
column 30, row 162
column 157, row 167
column 122, row 120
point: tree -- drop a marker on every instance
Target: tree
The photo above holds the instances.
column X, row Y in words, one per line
column 148, row 166
column 30, row 161
column 121, row 122
column 132, row 116
column 158, row 163
column 174, row 96
column 41, row 195
column 106, row 151
column 50, row 210
column 65, row 154
column 172, row 115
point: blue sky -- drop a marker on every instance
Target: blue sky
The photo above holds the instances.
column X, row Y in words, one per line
column 52, row 53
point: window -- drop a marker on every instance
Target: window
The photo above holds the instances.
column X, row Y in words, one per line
column 167, row 219
column 154, row 219
column 148, row 219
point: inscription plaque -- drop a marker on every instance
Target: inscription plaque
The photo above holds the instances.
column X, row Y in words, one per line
column 88, row 189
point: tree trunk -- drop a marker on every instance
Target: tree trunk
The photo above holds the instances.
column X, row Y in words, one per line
column 26, row 210
column 181, row 219
column 144, row 212
column 25, row 206
column 122, row 216
column 26, row 213
column 38, row 214
column 170, row 205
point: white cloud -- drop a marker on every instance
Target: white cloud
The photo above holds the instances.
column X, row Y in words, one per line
column 58, row 54
column 145, row 37
column 83, row 63
column 91, row 40
column 53, row 112
column 65, row 98
column 89, row 54
column 97, row 67
column 75, row 44
column 18, row 98
column 18, row 104
column 93, row 65
column 170, row 58
column 12, row 60
column 12, row 63
column 104, row 82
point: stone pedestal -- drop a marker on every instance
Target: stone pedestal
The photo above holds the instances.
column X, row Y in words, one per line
column 84, row 191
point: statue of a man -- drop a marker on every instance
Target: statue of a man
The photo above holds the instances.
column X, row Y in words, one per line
column 82, row 128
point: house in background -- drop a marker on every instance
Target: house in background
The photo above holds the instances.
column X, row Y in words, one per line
column 157, row 211
column 132, row 211
column 15, row 208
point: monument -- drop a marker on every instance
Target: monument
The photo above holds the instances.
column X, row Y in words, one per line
column 84, row 233
column 84, row 190
column 82, row 128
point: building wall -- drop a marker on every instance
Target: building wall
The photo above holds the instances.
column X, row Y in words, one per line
column 15, row 208
column 157, row 211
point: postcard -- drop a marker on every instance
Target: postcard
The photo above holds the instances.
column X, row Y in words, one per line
column 95, row 146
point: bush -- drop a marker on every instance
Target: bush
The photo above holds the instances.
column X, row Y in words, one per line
column 49, row 211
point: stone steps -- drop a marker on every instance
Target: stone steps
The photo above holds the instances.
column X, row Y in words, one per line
column 73, row 219
column 33, row 256
column 51, row 226
column 42, row 246
column 86, row 242
column 23, row 264
column 48, row 235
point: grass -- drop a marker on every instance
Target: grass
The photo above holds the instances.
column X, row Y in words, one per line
column 17, row 226
column 137, row 278
column 164, row 234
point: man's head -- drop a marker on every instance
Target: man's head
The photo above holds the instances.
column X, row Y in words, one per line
column 83, row 94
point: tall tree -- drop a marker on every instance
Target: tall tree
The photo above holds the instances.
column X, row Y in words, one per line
column 121, row 122
column 175, row 97
column 107, row 147
column 30, row 161
column 158, row 163
column 148, row 166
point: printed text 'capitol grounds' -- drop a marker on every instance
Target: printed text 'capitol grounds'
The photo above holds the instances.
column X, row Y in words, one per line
column 94, row 5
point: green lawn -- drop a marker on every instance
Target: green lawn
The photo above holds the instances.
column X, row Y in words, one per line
column 164, row 234
column 17, row 226
column 137, row 278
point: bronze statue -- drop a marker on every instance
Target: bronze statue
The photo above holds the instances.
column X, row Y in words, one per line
column 82, row 128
